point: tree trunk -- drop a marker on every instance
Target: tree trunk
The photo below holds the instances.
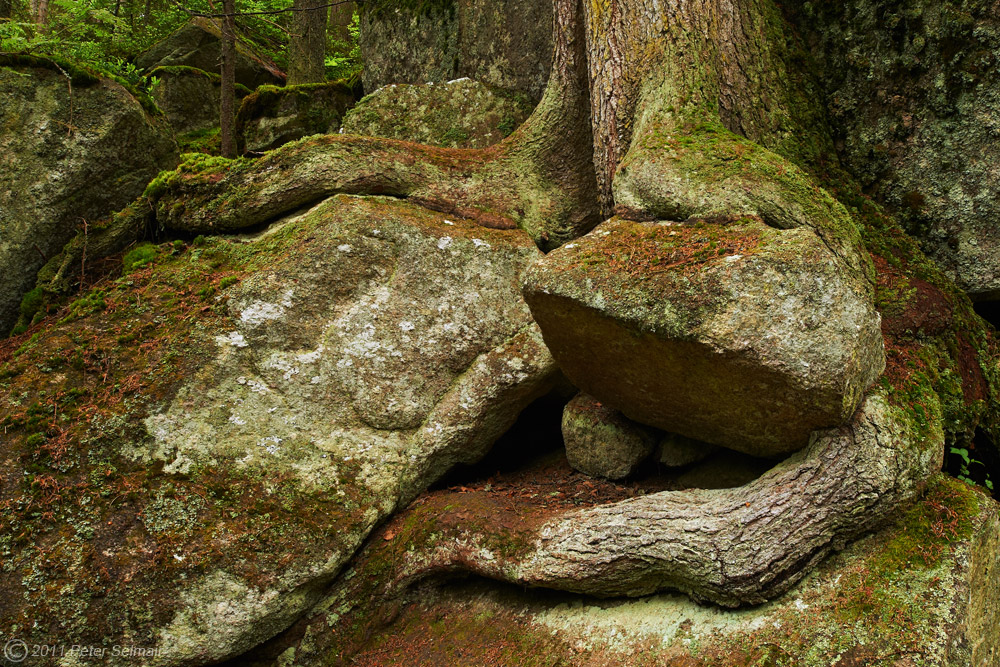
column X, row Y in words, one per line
column 307, row 45
column 341, row 17
column 693, row 108
column 228, row 87
column 40, row 13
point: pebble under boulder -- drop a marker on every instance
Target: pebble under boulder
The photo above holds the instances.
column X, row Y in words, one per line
column 730, row 332
column 601, row 441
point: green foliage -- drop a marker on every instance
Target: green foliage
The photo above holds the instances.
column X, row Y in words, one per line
column 965, row 460
column 343, row 60
column 32, row 302
column 139, row 257
column 106, row 35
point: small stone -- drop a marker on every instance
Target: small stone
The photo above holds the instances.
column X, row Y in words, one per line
column 602, row 442
column 677, row 451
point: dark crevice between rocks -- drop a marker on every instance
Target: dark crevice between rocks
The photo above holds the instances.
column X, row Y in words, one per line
column 526, row 472
column 532, row 453
column 979, row 463
column 989, row 311
column 537, row 432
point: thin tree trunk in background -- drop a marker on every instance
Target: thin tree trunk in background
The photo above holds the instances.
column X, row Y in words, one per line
column 40, row 12
column 307, row 45
column 228, row 78
column 341, row 17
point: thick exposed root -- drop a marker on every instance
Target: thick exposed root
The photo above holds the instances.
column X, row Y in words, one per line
column 731, row 547
column 540, row 179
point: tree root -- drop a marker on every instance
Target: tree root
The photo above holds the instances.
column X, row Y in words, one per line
column 732, row 547
column 540, row 179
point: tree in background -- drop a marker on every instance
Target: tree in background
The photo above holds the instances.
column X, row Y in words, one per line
column 228, row 87
column 307, row 42
column 339, row 27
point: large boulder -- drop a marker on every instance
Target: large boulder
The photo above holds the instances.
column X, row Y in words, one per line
column 198, row 44
column 505, row 44
column 71, row 152
column 727, row 331
column 914, row 103
column 456, row 114
column 190, row 97
column 273, row 116
column 195, row 451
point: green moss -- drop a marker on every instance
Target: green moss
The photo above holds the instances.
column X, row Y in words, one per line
column 139, row 257
column 32, row 302
column 924, row 534
column 79, row 75
column 192, row 164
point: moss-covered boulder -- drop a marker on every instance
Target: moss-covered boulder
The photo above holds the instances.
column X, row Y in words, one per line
column 914, row 103
column 456, row 114
column 189, row 97
column 728, row 331
column 193, row 451
column 602, row 442
column 273, row 116
column 505, row 44
column 72, row 150
column 198, row 44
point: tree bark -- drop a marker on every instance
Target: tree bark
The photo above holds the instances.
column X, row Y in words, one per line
column 40, row 13
column 228, row 84
column 541, row 178
column 732, row 547
column 341, row 17
column 307, row 45
column 652, row 111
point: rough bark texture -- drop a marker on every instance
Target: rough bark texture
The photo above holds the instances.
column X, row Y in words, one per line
column 698, row 108
column 732, row 547
column 857, row 609
column 307, row 46
column 338, row 26
column 506, row 44
column 540, row 178
column 227, row 91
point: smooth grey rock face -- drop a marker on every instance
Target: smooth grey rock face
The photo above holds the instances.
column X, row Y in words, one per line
column 733, row 333
column 189, row 99
column 367, row 346
column 602, row 442
column 398, row 347
column 65, row 161
column 454, row 114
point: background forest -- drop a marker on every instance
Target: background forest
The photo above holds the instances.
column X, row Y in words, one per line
column 107, row 34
